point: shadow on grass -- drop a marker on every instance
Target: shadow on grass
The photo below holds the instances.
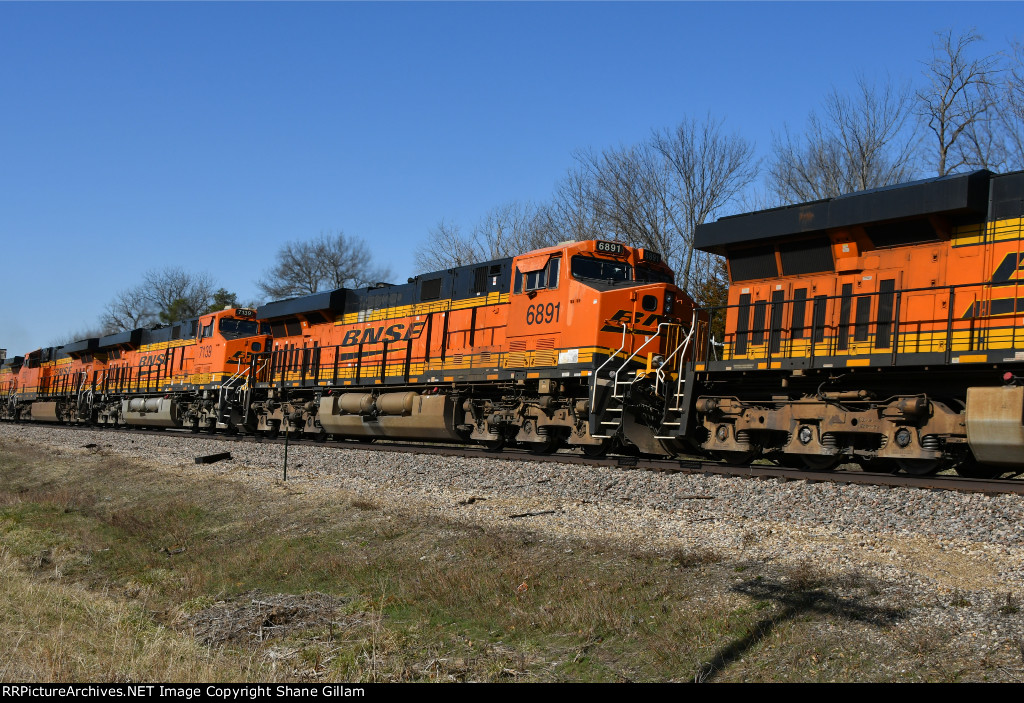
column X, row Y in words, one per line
column 795, row 601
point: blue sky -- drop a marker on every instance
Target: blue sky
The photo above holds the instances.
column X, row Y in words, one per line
column 135, row 136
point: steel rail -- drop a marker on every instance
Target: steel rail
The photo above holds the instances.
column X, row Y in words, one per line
column 662, row 465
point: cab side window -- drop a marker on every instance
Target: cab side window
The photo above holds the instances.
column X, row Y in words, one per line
column 206, row 331
column 546, row 277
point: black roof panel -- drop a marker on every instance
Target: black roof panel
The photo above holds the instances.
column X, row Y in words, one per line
column 131, row 337
column 82, row 346
column 957, row 193
column 329, row 300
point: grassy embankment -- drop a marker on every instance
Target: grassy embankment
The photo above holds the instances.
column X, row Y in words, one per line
column 114, row 571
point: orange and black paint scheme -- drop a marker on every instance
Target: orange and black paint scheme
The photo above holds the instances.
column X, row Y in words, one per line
column 512, row 344
column 565, row 346
column 881, row 327
column 876, row 327
column 173, row 375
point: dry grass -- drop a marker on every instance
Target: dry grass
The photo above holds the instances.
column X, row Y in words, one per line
column 119, row 572
column 58, row 631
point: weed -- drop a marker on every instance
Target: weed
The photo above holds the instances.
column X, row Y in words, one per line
column 959, row 600
column 804, row 575
column 695, row 556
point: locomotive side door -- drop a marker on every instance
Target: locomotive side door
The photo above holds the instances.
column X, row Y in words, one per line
column 204, row 347
column 762, row 307
column 537, row 311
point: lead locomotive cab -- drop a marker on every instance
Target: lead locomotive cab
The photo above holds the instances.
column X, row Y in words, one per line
column 587, row 320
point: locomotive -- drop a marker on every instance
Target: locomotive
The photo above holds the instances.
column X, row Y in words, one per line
column 881, row 327
column 564, row 346
column 187, row 374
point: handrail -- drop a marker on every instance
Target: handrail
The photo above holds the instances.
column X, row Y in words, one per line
column 841, row 334
column 597, row 373
column 656, row 335
column 681, row 350
column 236, row 375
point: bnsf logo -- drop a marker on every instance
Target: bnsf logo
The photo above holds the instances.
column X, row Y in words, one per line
column 637, row 321
column 1005, row 275
column 152, row 360
column 377, row 335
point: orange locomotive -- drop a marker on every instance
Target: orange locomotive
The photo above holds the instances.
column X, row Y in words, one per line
column 883, row 327
column 544, row 349
column 185, row 374
column 573, row 345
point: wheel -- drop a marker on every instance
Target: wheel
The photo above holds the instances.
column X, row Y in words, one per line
column 596, row 451
column 549, row 447
column 918, row 467
column 970, row 468
column 738, row 458
column 321, row 437
column 818, row 462
column 493, row 445
column 875, row 465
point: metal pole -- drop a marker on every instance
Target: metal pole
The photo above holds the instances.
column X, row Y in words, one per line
column 286, row 428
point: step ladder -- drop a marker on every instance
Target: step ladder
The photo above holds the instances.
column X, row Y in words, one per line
column 230, row 385
column 674, row 390
column 621, row 384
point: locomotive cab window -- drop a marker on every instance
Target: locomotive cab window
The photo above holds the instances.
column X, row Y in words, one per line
column 591, row 268
column 545, row 277
column 206, row 330
column 237, row 329
column 649, row 274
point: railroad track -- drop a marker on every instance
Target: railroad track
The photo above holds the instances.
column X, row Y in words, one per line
column 687, row 466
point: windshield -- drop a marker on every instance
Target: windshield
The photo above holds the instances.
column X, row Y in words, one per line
column 652, row 275
column 236, row 329
column 594, row 269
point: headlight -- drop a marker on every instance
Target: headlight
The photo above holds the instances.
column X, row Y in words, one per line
column 670, row 300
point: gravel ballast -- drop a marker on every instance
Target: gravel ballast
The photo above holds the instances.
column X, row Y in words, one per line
column 932, row 549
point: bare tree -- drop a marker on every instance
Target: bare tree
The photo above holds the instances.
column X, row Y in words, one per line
column 129, row 310
column 177, row 294
column 325, row 263
column 571, row 213
column 708, row 170
column 629, row 193
column 166, row 295
column 1011, row 107
column 78, row 335
column 957, row 97
column 651, row 195
column 446, row 247
column 506, row 230
column 857, row 142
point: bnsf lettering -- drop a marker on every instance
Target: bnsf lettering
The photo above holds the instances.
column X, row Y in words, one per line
column 384, row 333
column 152, row 360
